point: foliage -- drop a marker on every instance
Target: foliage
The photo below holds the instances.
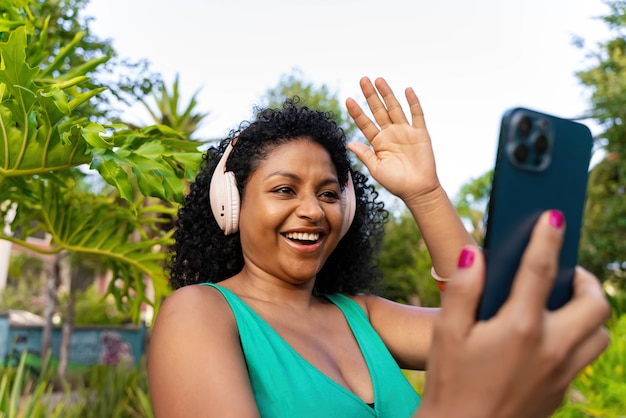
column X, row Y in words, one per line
column 116, row 392
column 472, row 203
column 42, row 136
column 405, row 264
column 405, row 261
column 105, row 391
column 105, row 232
column 603, row 242
column 125, row 80
column 93, row 308
column 22, row 395
column 315, row 97
column 167, row 110
column 600, row 389
column 417, row 379
column 25, row 268
column 617, row 299
column 24, row 284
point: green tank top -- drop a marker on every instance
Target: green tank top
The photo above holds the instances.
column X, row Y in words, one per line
column 286, row 385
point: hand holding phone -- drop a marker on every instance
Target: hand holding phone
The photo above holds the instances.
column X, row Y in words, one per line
column 542, row 163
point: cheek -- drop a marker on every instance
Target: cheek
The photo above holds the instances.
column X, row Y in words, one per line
column 258, row 223
column 256, row 215
column 334, row 214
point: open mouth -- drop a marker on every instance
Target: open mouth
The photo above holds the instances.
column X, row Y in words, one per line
column 305, row 238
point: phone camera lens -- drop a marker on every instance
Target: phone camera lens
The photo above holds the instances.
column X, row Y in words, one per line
column 521, row 153
column 541, row 144
column 524, row 126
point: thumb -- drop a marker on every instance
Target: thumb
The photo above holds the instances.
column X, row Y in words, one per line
column 365, row 154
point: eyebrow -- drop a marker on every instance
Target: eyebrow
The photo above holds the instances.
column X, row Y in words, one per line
column 295, row 177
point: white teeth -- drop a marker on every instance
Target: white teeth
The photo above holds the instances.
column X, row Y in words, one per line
column 303, row 236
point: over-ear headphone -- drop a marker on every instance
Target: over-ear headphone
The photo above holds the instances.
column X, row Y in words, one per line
column 224, row 198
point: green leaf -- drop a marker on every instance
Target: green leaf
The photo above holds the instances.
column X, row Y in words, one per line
column 114, row 174
column 16, row 73
column 37, row 132
column 9, row 25
column 92, row 133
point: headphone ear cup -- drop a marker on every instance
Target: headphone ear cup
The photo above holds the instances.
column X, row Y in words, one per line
column 224, row 196
column 348, row 196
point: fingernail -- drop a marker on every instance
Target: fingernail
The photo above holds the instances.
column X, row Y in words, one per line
column 466, row 259
column 556, row 218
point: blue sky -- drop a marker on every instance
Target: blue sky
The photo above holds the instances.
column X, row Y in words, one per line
column 468, row 61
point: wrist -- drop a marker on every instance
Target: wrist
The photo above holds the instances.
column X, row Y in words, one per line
column 439, row 281
column 428, row 200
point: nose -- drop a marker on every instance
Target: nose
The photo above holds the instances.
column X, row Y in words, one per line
column 309, row 207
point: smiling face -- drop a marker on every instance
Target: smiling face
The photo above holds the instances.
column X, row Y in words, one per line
column 291, row 213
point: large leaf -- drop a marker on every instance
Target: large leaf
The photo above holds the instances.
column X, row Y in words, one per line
column 155, row 162
column 37, row 132
column 127, row 239
column 42, row 138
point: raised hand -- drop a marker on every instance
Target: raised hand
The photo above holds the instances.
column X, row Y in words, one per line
column 401, row 157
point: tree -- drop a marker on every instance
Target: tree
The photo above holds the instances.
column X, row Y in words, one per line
column 185, row 120
column 24, row 284
column 472, row 203
column 315, row 97
column 405, row 264
column 44, row 136
column 603, row 241
column 126, row 80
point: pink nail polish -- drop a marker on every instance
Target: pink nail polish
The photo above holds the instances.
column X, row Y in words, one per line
column 466, row 259
column 556, row 218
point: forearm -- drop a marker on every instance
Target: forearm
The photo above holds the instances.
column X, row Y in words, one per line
column 442, row 229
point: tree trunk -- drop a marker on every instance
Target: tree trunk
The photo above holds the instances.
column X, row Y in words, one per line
column 51, row 299
column 68, row 323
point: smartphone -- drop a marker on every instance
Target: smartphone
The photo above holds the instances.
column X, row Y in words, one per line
column 542, row 163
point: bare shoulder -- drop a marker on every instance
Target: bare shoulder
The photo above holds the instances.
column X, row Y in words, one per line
column 193, row 303
column 197, row 316
column 195, row 363
column 363, row 301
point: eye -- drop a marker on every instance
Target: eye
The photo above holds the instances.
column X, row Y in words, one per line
column 330, row 196
column 283, row 190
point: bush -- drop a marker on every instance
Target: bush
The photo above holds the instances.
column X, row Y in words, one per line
column 93, row 308
column 101, row 392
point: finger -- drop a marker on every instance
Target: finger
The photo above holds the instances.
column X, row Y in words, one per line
column 587, row 310
column 460, row 300
column 587, row 352
column 362, row 121
column 417, row 113
column 394, row 109
column 365, row 154
column 374, row 102
column 538, row 267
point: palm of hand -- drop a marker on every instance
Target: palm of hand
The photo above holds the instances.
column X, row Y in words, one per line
column 401, row 158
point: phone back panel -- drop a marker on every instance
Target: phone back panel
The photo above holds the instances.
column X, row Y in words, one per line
column 542, row 163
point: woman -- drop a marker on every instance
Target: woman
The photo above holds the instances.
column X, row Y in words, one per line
column 282, row 234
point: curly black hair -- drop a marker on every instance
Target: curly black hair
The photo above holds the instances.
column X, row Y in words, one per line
column 202, row 253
